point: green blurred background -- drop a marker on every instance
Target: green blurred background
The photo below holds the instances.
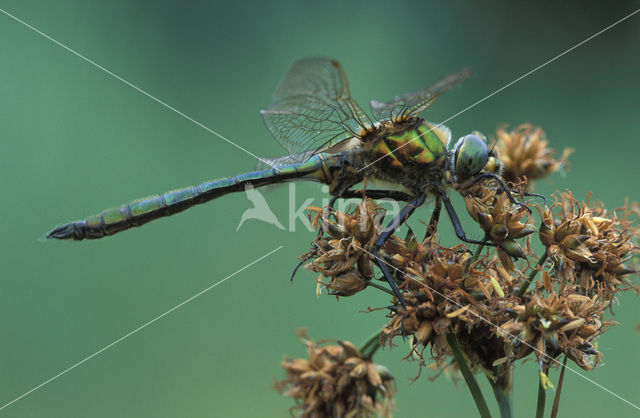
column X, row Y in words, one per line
column 75, row 140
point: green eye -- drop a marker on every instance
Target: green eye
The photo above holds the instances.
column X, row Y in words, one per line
column 471, row 155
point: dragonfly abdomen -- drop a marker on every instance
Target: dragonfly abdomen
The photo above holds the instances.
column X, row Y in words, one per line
column 141, row 211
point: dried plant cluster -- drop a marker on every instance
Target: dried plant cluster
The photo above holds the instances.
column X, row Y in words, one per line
column 543, row 294
column 337, row 381
column 524, row 153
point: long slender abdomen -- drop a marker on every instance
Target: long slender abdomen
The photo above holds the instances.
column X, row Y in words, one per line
column 141, row 211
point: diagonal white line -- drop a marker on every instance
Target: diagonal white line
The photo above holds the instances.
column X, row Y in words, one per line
column 508, row 85
column 137, row 329
column 135, row 87
column 503, row 330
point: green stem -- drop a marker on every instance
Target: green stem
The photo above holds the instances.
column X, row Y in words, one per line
column 475, row 255
column 556, row 400
column 532, row 275
column 380, row 287
column 542, row 396
column 468, row 376
column 372, row 343
column 480, row 248
column 503, row 390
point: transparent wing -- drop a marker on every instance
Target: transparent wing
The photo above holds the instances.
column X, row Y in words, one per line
column 411, row 104
column 314, row 76
column 313, row 109
column 267, row 163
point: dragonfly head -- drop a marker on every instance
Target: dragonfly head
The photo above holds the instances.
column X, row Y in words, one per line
column 470, row 155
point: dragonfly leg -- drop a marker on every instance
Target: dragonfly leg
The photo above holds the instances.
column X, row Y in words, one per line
column 457, row 226
column 504, row 189
column 398, row 220
column 295, row 269
column 377, row 194
column 508, row 192
column 528, row 194
column 353, row 194
column 435, row 217
column 325, row 211
column 403, row 315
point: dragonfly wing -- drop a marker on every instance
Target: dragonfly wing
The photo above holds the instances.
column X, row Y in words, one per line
column 412, row 104
column 313, row 109
column 266, row 163
column 322, row 76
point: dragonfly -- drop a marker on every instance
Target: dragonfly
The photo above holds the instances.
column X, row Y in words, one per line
column 331, row 140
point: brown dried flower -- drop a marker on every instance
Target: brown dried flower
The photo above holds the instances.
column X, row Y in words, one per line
column 336, row 381
column 524, row 153
column 501, row 221
column 344, row 255
column 477, row 308
column 447, row 292
column 555, row 324
column 587, row 245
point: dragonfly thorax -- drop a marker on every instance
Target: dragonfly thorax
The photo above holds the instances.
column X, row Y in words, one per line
column 412, row 153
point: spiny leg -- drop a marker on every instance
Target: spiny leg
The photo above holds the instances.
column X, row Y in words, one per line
column 503, row 187
column 325, row 213
column 435, row 217
column 398, row 220
column 529, row 194
column 372, row 194
column 377, row 194
column 295, row 269
column 326, row 210
column 457, row 226
column 353, row 194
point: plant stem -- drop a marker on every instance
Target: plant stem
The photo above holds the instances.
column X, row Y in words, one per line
column 380, row 287
column 480, row 248
column 532, row 275
column 468, row 376
column 556, row 399
column 372, row 344
column 475, row 255
column 542, row 396
column 503, row 390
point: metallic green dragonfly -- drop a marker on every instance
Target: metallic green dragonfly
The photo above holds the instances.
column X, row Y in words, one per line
column 331, row 140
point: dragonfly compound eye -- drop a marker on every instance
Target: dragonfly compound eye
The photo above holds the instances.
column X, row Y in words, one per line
column 471, row 156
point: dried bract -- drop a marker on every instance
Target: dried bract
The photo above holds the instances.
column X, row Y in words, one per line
column 588, row 245
column 502, row 221
column 343, row 253
column 524, row 153
column 559, row 323
column 447, row 292
column 336, row 381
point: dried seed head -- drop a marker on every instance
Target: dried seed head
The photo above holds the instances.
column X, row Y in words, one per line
column 337, row 381
column 524, row 153
column 555, row 324
column 587, row 245
column 495, row 214
column 343, row 254
column 346, row 284
column 447, row 290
